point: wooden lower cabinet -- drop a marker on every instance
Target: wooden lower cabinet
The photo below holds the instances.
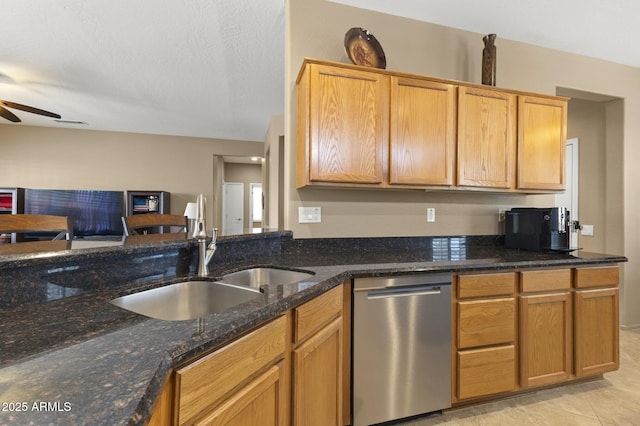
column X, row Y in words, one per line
column 162, row 413
column 520, row 330
column 317, row 378
column 287, row 371
column 545, row 339
column 317, row 360
column 596, row 301
column 596, row 331
column 219, row 383
column 512, row 331
column 485, row 361
column 258, row 403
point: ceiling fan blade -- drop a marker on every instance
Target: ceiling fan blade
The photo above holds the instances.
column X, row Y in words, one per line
column 29, row 109
column 5, row 113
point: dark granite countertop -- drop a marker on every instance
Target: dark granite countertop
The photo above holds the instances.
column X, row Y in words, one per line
column 80, row 360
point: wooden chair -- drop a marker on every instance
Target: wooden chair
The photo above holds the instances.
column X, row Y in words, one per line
column 150, row 223
column 28, row 247
column 37, row 224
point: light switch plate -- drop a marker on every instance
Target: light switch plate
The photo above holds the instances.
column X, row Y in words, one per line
column 431, row 214
column 587, row 230
column 309, row 215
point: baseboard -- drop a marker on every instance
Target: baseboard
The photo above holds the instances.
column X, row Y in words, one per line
column 632, row 327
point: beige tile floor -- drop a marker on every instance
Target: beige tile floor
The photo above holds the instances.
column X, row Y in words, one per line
column 614, row 400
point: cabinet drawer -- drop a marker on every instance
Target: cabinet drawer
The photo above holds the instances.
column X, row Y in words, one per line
column 486, row 322
column 205, row 382
column 312, row 315
column 485, row 285
column 486, row 371
column 597, row 277
column 545, row 280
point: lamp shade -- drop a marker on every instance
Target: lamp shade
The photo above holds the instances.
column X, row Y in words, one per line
column 191, row 210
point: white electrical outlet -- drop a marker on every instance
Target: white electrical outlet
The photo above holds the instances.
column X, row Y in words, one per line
column 501, row 215
column 431, row 214
column 309, row 215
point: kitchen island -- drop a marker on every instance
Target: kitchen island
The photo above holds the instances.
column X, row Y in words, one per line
column 70, row 357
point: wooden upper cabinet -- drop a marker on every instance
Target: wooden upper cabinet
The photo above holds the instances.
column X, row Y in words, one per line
column 362, row 127
column 486, row 138
column 347, row 119
column 542, row 134
column 422, row 132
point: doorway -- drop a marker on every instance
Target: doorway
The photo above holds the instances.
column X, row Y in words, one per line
column 256, row 206
column 569, row 198
column 233, row 208
column 243, row 174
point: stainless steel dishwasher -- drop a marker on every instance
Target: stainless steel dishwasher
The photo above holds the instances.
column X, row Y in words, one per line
column 401, row 346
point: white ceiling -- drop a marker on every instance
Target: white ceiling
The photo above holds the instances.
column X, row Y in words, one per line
column 205, row 68
column 215, row 68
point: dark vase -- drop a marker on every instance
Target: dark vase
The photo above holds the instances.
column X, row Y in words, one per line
column 489, row 60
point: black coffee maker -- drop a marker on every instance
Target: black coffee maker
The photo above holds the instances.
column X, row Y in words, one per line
column 538, row 229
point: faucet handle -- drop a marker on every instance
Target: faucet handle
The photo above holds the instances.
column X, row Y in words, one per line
column 215, row 234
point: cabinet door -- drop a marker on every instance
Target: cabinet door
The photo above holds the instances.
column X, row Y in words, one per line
column 261, row 402
column 486, row 138
column 545, row 339
column 205, row 383
column 596, row 331
column 542, row 135
column 422, row 127
column 317, row 378
column 348, row 125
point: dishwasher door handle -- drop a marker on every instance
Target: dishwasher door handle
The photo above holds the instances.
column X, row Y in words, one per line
column 386, row 293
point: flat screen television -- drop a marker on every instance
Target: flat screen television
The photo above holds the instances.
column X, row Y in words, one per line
column 94, row 213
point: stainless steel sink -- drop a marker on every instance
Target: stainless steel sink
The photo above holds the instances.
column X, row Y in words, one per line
column 186, row 300
column 255, row 277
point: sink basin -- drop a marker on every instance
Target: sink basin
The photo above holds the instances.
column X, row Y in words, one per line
column 186, row 300
column 255, row 277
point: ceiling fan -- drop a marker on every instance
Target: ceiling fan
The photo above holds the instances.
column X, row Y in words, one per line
column 5, row 113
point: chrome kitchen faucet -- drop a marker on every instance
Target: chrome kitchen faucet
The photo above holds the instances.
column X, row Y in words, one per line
column 205, row 254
